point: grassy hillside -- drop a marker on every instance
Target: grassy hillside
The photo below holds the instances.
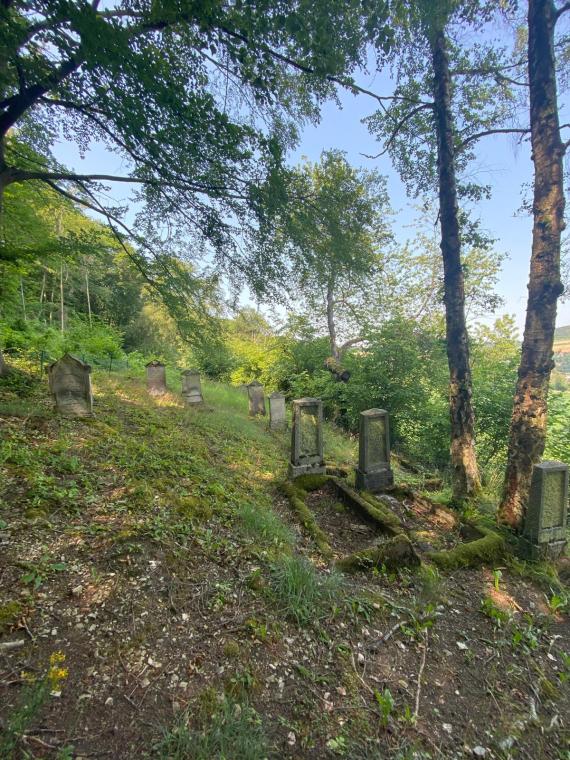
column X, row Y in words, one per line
column 159, row 599
column 562, row 333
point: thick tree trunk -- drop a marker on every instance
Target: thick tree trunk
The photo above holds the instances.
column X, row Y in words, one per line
column 335, row 353
column 528, row 422
column 463, row 460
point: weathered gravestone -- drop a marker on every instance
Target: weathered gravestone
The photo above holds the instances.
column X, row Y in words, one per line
column 307, row 438
column 544, row 528
column 277, row 419
column 373, row 472
column 70, row 385
column 256, row 398
column 191, row 387
column 4, row 370
column 156, row 378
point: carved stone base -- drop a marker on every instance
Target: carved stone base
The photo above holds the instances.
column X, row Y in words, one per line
column 546, row 551
column 374, row 481
column 305, row 469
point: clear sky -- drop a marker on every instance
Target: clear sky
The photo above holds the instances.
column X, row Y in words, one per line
column 502, row 163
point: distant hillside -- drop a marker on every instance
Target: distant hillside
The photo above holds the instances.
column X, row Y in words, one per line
column 562, row 349
column 562, row 333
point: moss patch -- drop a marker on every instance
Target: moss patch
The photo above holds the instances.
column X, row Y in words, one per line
column 395, row 553
column 296, row 495
column 486, row 550
column 9, row 614
column 367, row 505
column 310, row 482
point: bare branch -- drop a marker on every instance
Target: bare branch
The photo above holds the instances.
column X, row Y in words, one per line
column 561, row 10
column 409, row 115
column 479, row 135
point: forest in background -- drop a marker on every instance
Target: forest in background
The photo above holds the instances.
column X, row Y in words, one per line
column 68, row 284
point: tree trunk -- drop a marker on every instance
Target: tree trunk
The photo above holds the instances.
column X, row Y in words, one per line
column 528, row 421
column 51, row 301
column 335, row 353
column 23, row 297
column 61, row 304
column 88, row 297
column 463, row 460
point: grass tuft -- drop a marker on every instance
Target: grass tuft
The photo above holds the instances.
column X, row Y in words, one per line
column 233, row 731
column 301, row 592
column 265, row 526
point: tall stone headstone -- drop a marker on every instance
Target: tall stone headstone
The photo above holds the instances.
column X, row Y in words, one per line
column 256, row 396
column 544, row 529
column 277, row 418
column 307, row 438
column 156, row 378
column 70, row 385
column 191, row 387
column 373, row 472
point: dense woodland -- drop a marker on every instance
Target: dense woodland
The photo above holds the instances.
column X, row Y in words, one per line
column 229, row 259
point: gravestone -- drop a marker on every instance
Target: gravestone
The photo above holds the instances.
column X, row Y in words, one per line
column 307, row 438
column 156, row 378
column 373, row 472
column 256, row 398
column 70, row 385
column 191, row 387
column 4, row 371
column 277, row 419
column 544, row 527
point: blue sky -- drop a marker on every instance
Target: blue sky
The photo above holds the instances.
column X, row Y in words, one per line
column 502, row 163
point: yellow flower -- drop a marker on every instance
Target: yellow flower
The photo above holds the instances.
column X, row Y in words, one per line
column 56, row 673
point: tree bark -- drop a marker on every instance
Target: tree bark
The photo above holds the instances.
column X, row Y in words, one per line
column 23, row 297
column 528, row 422
column 88, row 294
column 463, row 459
column 61, row 304
column 335, row 353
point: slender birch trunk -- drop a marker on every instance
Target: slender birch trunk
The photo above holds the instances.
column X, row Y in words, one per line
column 23, row 297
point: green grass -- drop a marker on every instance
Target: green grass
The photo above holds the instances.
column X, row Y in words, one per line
column 265, row 526
column 301, row 592
column 234, row 732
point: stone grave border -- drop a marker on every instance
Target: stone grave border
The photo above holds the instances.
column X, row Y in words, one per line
column 487, row 546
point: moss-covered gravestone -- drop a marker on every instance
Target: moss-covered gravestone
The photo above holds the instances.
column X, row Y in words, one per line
column 156, row 378
column 307, row 438
column 191, row 387
column 277, row 419
column 70, row 385
column 373, row 472
column 544, row 528
column 256, row 396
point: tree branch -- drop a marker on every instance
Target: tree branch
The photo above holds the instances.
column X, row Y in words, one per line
column 479, row 135
column 561, row 10
column 398, row 127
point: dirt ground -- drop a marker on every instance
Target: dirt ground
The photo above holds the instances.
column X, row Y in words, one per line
column 153, row 621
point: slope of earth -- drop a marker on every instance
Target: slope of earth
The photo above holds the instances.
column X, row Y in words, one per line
column 159, row 600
